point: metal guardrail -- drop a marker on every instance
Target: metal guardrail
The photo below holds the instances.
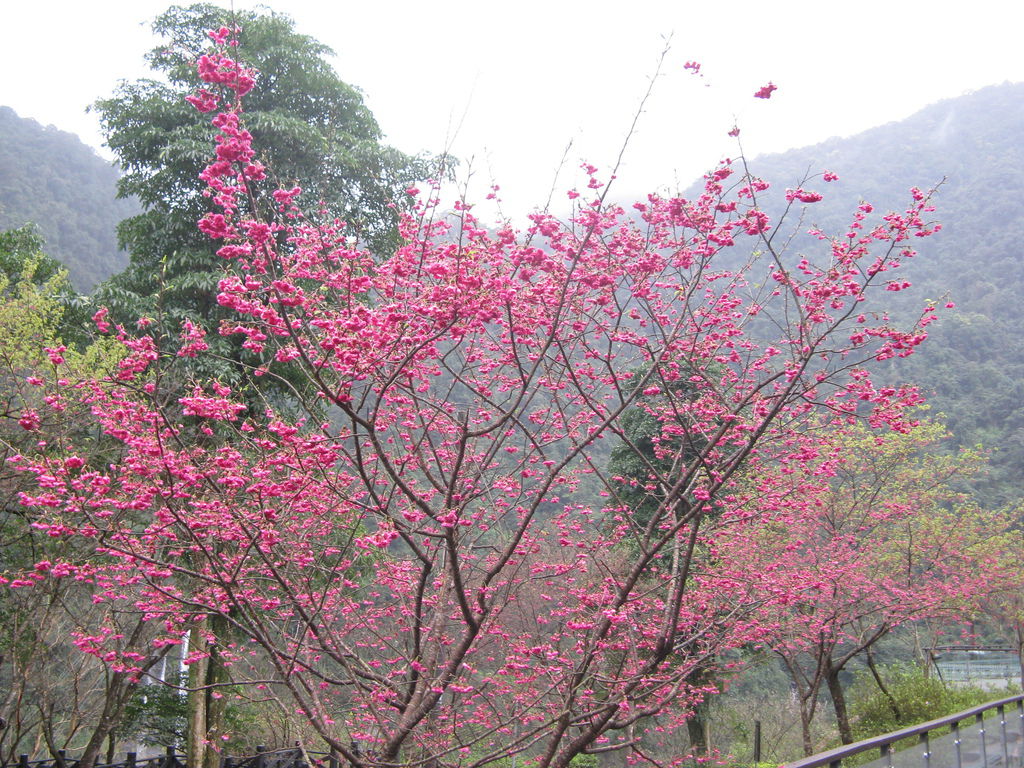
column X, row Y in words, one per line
column 61, row 760
column 292, row 757
column 970, row 742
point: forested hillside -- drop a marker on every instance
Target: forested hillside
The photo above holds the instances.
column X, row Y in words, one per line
column 50, row 178
column 973, row 365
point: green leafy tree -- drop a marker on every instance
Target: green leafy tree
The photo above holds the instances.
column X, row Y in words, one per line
column 24, row 266
column 53, row 695
column 309, row 124
column 21, row 250
column 652, row 452
column 645, row 465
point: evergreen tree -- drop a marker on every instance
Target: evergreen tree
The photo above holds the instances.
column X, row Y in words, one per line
column 310, row 125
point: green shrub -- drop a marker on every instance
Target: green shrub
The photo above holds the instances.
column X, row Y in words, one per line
column 918, row 699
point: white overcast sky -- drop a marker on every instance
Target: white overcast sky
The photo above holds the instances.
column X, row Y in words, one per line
column 510, row 84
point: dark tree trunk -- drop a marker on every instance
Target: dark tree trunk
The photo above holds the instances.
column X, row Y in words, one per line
column 698, row 725
column 893, row 704
column 119, row 690
column 805, row 731
column 835, row 689
column 206, row 699
column 695, row 728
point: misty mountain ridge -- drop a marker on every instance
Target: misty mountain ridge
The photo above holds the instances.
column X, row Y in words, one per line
column 49, row 178
column 972, row 366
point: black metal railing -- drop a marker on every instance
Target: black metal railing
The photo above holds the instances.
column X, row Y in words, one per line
column 170, row 759
column 982, row 737
column 292, row 757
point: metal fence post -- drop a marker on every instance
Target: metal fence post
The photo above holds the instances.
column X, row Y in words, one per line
column 1020, row 720
column 261, row 760
column 1002, row 727
column 980, row 721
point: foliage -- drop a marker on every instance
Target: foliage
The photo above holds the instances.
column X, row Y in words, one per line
column 53, row 693
column 22, row 258
column 644, row 459
column 973, row 366
column 25, row 267
column 309, row 125
column 156, row 715
column 918, row 698
column 887, row 537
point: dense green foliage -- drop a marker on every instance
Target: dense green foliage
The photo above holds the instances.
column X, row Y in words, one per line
column 915, row 699
column 22, row 257
column 50, row 178
column 25, row 266
column 309, row 125
column 645, row 460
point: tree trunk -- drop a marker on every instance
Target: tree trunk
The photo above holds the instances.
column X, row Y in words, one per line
column 195, row 748
column 805, row 731
column 835, row 689
column 216, row 700
column 1019, row 626
column 206, row 702
column 893, row 705
column 697, row 734
column 119, row 690
column 697, row 725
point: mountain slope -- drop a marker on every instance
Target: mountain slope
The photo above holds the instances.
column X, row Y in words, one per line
column 50, row 178
column 972, row 366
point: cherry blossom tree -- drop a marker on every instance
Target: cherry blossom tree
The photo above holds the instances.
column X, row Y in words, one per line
column 879, row 535
column 54, row 697
column 443, row 572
